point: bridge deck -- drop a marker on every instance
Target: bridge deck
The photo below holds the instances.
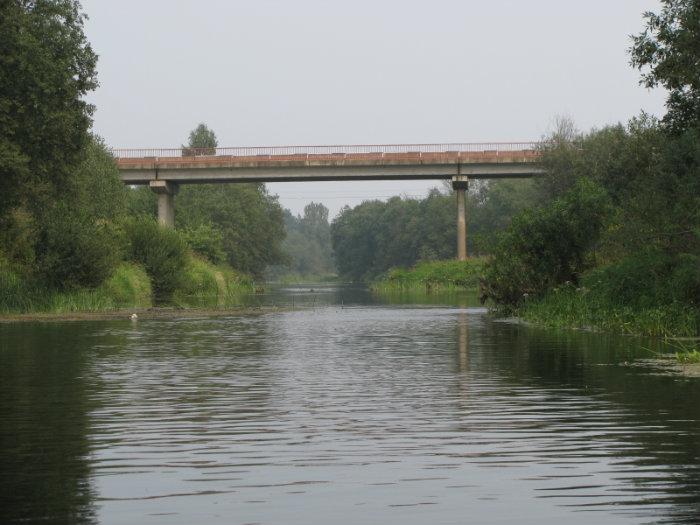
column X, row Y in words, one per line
column 299, row 163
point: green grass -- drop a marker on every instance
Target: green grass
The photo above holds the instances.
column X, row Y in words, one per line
column 207, row 285
column 433, row 275
column 297, row 278
column 127, row 287
column 568, row 307
column 692, row 357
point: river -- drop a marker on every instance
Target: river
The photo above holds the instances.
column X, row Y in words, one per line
column 344, row 408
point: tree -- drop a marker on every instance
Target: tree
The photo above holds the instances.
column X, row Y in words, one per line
column 46, row 68
column 202, row 141
column 669, row 48
column 547, row 245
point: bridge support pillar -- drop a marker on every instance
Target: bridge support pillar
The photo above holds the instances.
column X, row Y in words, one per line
column 166, row 192
column 460, row 184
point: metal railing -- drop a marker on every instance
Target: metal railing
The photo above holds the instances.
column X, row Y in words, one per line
column 494, row 148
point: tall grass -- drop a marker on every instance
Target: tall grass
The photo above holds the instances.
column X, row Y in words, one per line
column 207, row 285
column 433, row 275
column 569, row 307
column 127, row 287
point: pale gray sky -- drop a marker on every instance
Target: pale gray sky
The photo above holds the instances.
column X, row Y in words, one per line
column 274, row 72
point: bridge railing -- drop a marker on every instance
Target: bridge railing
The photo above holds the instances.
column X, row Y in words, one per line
column 495, row 148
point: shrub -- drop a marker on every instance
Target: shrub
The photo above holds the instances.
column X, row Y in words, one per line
column 161, row 251
column 73, row 250
column 128, row 286
column 206, row 240
column 434, row 275
column 547, row 246
column 648, row 279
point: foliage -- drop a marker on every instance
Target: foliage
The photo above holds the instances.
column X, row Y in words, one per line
column 77, row 241
column 668, row 51
column 161, row 251
column 375, row 236
column 73, row 250
column 249, row 219
column 205, row 240
column 202, row 141
column 128, row 286
column 571, row 307
column 141, row 202
column 433, row 275
column 207, row 285
column 547, row 245
column 46, row 68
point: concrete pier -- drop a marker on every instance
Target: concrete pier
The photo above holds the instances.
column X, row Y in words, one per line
column 460, row 184
column 166, row 192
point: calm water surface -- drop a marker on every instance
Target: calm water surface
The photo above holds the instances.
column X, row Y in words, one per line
column 351, row 410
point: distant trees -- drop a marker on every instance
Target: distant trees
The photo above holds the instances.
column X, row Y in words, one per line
column 307, row 245
column 375, row 236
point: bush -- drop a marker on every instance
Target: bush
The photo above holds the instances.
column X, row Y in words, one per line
column 547, row 246
column 434, row 275
column 648, row 279
column 161, row 251
column 128, row 286
column 204, row 284
column 73, row 250
column 207, row 241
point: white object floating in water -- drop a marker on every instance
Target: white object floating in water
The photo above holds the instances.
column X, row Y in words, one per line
column 134, row 317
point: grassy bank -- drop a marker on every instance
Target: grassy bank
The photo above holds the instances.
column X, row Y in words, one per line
column 207, row 285
column 569, row 307
column 202, row 285
column 298, row 278
column 433, row 275
column 129, row 286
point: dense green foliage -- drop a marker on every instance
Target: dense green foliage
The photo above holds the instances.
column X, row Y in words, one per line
column 669, row 49
column 46, row 67
column 375, row 236
column 434, row 275
column 246, row 216
column 548, row 245
column 161, row 251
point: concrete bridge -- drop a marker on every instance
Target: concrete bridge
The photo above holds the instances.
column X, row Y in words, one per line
column 165, row 169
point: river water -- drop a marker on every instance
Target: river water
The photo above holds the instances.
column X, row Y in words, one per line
column 346, row 409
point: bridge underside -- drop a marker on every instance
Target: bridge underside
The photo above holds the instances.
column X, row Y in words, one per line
column 221, row 174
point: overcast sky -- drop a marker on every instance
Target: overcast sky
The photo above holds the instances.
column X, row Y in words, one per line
column 273, row 72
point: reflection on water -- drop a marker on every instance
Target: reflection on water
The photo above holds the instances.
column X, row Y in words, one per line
column 349, row 412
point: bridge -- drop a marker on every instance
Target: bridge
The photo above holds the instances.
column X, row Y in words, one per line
column 165, row 169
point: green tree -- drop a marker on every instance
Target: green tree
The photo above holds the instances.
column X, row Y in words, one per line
column 242, row 219
column 46, row 68
column 548, row 245
column 248, row 218
column 668, row 51
column 202, row 141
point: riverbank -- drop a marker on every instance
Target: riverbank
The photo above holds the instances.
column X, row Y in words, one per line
column 582, row 308
column 137, row 314
column 130, row 288
column 433, row 276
